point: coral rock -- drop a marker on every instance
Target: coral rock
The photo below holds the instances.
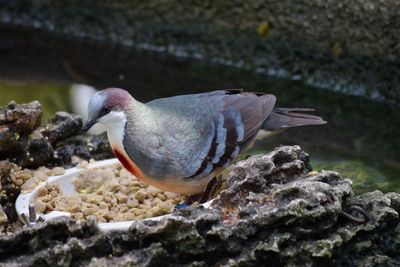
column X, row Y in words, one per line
column 62, row 126
column 271, row 212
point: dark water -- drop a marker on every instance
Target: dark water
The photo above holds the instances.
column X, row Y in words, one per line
column 361, row 140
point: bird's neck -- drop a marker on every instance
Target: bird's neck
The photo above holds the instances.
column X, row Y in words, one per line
column 115, row 123
column 116, row 133
column 135, row 122
column 130, row 133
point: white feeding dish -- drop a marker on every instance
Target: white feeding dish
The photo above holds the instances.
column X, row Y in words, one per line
column 25, row 200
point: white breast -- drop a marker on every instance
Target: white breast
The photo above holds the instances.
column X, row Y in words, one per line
column 115, row 122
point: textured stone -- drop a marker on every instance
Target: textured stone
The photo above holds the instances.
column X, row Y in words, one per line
column 24, row 142
column 8, row 191
column 19, row 141
column 62, row 126
column 37, row 151
column 273, row 211
column 85, row 147
column 5, row 169
column 22, row 118
column 3, row 216
column 17, row 121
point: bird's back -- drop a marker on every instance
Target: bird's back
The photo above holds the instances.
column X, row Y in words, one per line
column 203, row 132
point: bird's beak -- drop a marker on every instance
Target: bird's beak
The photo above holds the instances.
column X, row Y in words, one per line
column 88, row 125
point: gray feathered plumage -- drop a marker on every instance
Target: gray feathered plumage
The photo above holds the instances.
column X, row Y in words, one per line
column 191, row 137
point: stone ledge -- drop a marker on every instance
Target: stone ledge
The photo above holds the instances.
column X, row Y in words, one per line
column 273, row 210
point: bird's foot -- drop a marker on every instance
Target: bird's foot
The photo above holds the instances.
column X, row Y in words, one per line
column 200, row 198
column 192, row 199
column 181, row 206
column 208, row 191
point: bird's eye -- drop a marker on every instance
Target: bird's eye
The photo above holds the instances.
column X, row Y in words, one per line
column 105, row 110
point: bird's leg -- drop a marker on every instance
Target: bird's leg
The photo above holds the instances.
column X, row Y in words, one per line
column 208, row 191
column 192, row 199
column 202, row 197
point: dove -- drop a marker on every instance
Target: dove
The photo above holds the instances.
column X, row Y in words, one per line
column 180, row 143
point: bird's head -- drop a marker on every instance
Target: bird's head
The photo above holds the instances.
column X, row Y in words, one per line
column 107, row 107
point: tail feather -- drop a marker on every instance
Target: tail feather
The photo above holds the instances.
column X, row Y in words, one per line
column 282, row 118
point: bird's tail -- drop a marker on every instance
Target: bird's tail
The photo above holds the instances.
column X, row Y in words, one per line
column 282, row 118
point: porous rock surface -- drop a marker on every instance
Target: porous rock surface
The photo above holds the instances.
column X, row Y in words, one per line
column 24, row 142
column 273, row 212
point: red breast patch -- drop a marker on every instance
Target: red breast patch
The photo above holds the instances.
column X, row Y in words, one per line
column 128, row 163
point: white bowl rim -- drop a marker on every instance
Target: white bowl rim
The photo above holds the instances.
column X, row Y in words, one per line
column 24, row 199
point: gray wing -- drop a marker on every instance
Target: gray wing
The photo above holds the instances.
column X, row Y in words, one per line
column 203, row 132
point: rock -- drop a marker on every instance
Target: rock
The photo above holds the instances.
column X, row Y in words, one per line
column 7, row 188
column 279, row 166
column 22, row 118
column 3, row 216
column 62, row 126
column 37, row 151
column 273, row 211
column 8, row 191
column 63, row 133
column 85, row 147
column 17, row 121
column 3, row 220
column 19, row 140
column 7, row 139
column 23, row 142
